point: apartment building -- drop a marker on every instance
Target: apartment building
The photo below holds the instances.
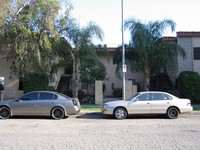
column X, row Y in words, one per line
column 190, row 41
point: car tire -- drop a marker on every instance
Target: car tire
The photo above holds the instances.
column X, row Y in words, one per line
column 172, row 113
column 57, row 113
column 120, row 113
column 4, row 113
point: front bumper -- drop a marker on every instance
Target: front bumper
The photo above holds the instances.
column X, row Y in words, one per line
column 107, row 110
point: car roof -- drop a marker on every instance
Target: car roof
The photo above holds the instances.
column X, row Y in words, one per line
column 153, row 92
column 53, row 92
column 157, row 92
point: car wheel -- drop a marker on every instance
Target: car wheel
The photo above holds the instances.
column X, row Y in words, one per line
column 172, row 113
column 58, row 113
column 120, row 113
column 4, row 113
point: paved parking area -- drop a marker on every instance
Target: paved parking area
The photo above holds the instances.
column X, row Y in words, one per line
column 93, row 131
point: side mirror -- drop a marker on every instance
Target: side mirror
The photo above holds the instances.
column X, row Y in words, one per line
column 135, row 100
column 18, row 100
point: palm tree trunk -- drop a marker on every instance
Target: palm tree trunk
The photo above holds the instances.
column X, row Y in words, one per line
column 75, row 79
column 146, row 79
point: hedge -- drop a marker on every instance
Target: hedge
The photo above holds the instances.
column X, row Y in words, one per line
column 189, row 86
column 35, row 82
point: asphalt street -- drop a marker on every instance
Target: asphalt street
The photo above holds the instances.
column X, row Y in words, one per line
column 94, row 131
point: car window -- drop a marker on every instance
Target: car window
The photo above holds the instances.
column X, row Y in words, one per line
column 144, row 97
column 159, row 96
column 46, row 96
column 55, row 96
column 31, row 96
column 167, row 97
column 132, row 97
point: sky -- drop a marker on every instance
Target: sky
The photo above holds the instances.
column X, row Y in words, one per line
column 107, row 14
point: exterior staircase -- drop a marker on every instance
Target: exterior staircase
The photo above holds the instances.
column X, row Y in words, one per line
column 161, row 82
column 64, row 83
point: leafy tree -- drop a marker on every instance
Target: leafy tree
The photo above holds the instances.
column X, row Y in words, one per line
column 147, row 52
column 4, row 10
column 91, row 70
column 29, row 35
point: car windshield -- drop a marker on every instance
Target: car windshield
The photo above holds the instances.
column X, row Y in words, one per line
column 132, row 97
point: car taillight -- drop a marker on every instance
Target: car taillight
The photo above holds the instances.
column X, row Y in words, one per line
column 189, row 104
column 74, row 102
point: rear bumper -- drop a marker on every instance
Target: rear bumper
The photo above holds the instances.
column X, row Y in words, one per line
column 76, row 110
column 186, row 109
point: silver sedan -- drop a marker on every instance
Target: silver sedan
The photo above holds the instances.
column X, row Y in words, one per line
column 40, row 103
column 150, row 102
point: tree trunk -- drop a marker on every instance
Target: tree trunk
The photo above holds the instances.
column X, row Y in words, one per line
column 75, row 79
column 146, row 79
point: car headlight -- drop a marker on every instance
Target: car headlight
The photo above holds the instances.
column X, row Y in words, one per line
column 105, row 106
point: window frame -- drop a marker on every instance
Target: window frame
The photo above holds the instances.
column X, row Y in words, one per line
column 196, row 51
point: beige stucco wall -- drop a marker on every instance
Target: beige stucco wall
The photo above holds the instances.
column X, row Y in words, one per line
column 189, row 64
column 112, row 79
column 185, row 64
column 196, row 66
column 11, row 85
column 196, row 63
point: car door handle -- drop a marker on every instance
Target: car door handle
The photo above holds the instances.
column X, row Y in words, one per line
column 148, row 103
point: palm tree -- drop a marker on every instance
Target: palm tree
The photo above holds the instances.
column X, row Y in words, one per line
column 147, row 51
column 82, row 39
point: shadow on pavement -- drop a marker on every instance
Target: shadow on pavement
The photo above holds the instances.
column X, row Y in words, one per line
column 35, row 117
column 98, row 115
column 94, row 115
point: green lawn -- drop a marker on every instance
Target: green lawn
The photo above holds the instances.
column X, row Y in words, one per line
column 90, row 108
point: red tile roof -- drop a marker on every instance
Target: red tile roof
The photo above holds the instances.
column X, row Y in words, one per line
column 110, row 49
column 188, row 34
column 169, row 38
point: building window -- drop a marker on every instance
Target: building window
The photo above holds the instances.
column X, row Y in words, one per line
column 196, row 53
column 112, row 86
column 21, row 83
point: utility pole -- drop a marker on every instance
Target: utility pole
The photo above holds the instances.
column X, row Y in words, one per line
column 123, row 50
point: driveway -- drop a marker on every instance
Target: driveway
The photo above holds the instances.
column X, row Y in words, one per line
column 94, row 131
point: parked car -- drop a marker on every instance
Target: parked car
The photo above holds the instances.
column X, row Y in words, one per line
column 151, row 102
column 40, row 103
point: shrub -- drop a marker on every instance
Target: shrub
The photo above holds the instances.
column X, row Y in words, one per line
column 35, row 82
column 189, row 86
column 81, row 95
column 117, row 92
column 68, row 93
